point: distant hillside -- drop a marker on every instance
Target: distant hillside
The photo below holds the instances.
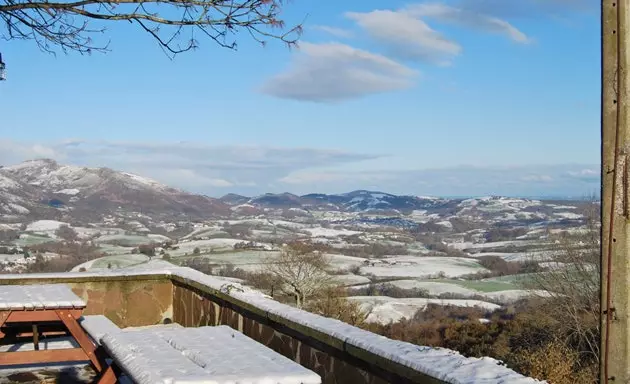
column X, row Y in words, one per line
column 45, row 189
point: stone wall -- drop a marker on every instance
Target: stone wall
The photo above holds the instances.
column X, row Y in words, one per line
column 197, row 306
column 338, row 352
column 127, row 301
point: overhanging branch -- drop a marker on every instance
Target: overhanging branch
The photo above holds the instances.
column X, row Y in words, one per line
column 65, row 25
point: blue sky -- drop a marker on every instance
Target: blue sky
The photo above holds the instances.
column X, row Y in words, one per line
column 461, row 97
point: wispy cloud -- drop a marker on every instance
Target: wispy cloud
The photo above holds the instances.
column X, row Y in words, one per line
column 197, row 167
column 586, row 174
column 334, row 31
column 333, row 72
column 329, row 72
column 406, row 36
column 468, row 18
column 215, row 170
column 550, row 180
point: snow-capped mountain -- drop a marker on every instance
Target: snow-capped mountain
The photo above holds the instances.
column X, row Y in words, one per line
column 45, row 189
column 356, row 201
column 45, row 185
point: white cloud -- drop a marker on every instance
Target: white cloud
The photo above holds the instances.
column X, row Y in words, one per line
column 316, row 177
column 184, row 176
column 333, row 72
column 467, row 18
column 455, row 181
column 406, row 36
column 537, row 178
column 587, row 174
column 251, row 170
column 337, row 32
column 196, row 167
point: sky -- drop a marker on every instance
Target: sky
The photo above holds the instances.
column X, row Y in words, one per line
column 450, row 98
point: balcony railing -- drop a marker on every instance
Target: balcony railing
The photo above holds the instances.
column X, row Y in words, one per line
column 338, row 352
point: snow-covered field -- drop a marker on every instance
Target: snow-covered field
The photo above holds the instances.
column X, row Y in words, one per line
column 11, row 257
column 31, row 239
column 206, row 232
column 347, row 280
column 125, row 240
column 330, row 232
column 503, row 293
column 186, row 248
column 507, row 297
column 114, row 261
column 344, row 262
column 44, row 226
column 383, row 309
column 568, row 215
column 434, row 288
column 424, row 267
column 520, row 256
column 495, row 244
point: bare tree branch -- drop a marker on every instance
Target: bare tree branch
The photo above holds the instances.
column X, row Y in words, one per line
column 571, row 286
column 301, row 272
column 66, row 25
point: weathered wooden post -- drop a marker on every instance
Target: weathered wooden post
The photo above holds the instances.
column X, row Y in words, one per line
column 615, row 278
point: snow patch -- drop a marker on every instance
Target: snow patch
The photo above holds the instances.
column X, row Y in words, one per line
column 44, row 226
column 329, row 232
column 69, row 191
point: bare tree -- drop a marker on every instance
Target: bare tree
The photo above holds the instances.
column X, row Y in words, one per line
column 67, row 24
column 300, row 271
column 66, row 233
column 571, row 286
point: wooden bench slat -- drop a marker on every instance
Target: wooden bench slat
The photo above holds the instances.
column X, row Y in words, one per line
column 200, row 355
column 42, row 356
column 147, row 359
column 230, row 356
column 46, row 296
column 97, row 326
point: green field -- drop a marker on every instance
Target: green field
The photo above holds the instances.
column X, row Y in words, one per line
column 119, row 261
column 29, row 239
column 483, row 286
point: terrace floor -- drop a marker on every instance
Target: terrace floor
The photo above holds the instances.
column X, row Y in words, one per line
column 60, row 374
column 78, row 373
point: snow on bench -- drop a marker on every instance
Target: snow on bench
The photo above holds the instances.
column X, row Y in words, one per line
column 205, row 355
column 97, row 326
column 45, row 296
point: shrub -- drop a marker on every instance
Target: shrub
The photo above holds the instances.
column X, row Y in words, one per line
column 333, row 302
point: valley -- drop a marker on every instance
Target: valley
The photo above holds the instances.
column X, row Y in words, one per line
column 394, row 255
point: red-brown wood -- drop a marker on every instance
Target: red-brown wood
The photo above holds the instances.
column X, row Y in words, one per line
column 108, row 376
column 30, row 316
column 3, row 318
column 67, row 317
column 43, row 356
column 35, row 337
column 44, row 334
column 70, row 321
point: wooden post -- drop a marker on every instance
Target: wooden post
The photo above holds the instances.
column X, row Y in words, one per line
column 615, row 278
column 35, row 337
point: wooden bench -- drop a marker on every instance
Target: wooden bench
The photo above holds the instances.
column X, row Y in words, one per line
column 205, row 355
column 47, row 305
column 97, row 326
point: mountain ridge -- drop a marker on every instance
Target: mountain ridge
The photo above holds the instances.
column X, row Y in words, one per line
column 46, row 188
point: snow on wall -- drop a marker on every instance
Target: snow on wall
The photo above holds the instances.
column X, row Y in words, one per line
column 443, row 364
